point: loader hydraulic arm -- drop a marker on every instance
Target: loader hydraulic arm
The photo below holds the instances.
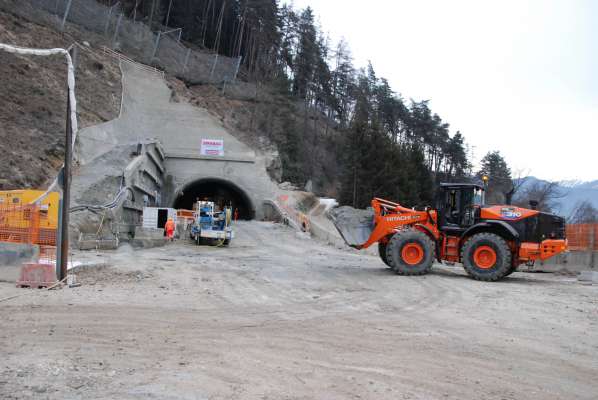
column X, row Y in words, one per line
column 390, row 217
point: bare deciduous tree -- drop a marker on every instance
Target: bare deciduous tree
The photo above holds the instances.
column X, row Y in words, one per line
column 545, row 193
column 583, row 213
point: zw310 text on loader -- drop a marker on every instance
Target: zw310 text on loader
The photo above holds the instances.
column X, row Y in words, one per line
column 490, row 241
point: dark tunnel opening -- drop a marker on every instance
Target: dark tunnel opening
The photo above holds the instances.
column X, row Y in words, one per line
column 219, row 191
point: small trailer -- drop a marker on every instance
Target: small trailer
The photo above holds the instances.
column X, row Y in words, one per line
column 211, row 226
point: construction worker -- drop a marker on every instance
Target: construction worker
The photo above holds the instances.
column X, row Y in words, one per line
column 236, row 214
column 169, row 229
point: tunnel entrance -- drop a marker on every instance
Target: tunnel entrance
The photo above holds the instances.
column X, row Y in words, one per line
column 220, row 191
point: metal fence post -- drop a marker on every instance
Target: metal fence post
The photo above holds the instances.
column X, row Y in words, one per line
column 120, row 17
column 214, row 66
column 108, row 21
column 66, row 14
column 155, row 46
column 186, row 59
column 237, row 69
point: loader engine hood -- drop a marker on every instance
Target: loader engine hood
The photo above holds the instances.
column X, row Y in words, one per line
column 532, row 225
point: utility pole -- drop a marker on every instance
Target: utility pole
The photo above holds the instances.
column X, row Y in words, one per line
column 62, row 246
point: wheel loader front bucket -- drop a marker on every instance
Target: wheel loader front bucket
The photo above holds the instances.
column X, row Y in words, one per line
column 355, row 226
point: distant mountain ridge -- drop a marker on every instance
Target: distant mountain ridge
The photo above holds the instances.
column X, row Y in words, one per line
column 573, row 192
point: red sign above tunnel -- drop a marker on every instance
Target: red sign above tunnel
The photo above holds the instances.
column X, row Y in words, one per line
column 212, row 147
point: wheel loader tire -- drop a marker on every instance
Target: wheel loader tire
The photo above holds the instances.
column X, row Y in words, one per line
column 382, row 251
column 511, row 270
column 486, row 257
column 410, row 252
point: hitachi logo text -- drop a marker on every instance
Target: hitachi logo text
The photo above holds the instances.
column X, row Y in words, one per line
column 402, row 218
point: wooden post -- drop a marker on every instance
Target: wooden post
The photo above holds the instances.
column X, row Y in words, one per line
column 63, row 228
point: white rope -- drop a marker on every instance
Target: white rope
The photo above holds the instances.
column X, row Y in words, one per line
column 71, row 89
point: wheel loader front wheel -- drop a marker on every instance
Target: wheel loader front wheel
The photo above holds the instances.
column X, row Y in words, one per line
column 410, row 252
column 486, row 257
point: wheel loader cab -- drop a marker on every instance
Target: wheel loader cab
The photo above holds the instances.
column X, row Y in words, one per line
column 458, row 205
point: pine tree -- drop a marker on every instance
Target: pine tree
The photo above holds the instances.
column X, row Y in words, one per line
column 494, row 166
column 307, row 55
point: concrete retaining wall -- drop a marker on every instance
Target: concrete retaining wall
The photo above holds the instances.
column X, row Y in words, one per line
column 135, row 169
column 573, row 261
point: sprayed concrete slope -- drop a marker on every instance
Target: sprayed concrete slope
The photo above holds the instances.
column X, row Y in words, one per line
column 149, row 112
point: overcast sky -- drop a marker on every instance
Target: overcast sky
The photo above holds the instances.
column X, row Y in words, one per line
column 512, row 75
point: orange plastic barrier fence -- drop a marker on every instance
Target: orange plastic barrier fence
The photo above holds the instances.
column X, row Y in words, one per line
column 21, row 224
column 582, row 237
column 47, row 255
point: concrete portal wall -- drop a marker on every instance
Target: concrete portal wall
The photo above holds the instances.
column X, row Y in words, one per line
column 248, row 176
column 149, row 113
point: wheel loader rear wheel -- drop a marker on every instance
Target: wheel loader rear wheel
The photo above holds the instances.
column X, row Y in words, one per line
column 486, row 257
column 410, row 252
column 382, row 251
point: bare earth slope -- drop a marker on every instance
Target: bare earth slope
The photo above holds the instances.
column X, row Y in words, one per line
column 280, row 317
column 33, row 100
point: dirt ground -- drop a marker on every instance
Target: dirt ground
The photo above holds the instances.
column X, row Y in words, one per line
column 279, row 316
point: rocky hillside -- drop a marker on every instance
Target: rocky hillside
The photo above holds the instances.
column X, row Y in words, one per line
column 33, row 99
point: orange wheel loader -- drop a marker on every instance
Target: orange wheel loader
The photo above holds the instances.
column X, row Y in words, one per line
column 490, row 241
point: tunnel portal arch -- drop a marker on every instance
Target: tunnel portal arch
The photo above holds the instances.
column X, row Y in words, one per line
column 221, row 191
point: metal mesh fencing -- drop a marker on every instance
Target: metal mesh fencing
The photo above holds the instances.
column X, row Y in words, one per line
column 134, row 38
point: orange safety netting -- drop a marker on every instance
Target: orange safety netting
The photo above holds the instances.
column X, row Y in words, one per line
column 47, row 255
column 582, row 236
column 26, row 224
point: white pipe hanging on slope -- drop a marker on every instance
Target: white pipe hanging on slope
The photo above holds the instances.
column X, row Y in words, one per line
column 71, row 88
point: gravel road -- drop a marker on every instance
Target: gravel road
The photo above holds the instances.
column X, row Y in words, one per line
column 280, row 316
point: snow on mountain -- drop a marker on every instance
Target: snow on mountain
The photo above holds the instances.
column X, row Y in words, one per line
column 571, row 183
